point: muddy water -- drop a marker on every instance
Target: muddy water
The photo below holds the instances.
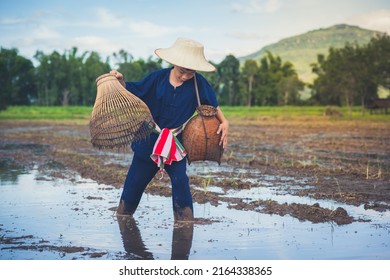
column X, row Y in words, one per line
column 46, row 218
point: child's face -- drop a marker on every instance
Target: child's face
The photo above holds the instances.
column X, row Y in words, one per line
column 184, row 74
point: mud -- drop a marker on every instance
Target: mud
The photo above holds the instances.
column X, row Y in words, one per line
column 343, row 162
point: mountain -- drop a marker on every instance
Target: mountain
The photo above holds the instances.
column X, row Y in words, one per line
column 302, row 50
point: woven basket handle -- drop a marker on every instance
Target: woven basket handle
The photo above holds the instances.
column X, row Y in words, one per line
column 197, row 90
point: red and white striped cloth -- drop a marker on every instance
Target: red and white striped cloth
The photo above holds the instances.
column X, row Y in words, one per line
column 167, row 147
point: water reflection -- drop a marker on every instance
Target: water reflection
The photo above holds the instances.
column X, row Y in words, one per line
column 182, row 240
column 135, row 247
column 132, row 240
column 9, row 171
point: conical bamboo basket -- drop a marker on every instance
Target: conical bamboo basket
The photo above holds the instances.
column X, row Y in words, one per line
column 118, row 116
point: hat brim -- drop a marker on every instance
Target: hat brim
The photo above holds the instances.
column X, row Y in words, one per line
column 184, row 61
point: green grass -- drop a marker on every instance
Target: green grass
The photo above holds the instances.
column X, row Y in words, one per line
column 299, row 111
column 84, row 112
column 46, row 113
column 254, row 112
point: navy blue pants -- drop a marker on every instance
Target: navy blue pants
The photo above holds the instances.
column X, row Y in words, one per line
column 142, row 171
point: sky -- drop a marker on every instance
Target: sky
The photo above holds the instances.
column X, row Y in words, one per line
column 224, row 27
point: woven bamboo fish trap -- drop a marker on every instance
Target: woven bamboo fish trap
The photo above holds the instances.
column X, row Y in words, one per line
column 118, row 116
column 200, row 137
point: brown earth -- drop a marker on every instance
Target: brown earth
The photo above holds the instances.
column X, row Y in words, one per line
column 343, row 160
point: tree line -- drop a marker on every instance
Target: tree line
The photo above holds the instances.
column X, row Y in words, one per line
column 345, row 76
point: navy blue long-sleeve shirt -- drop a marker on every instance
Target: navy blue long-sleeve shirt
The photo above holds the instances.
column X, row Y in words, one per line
column 170, row 107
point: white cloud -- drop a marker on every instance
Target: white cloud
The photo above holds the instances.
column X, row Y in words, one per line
column 217, row 55
column 378, row 20
column 11, row 20
column 241, row 35
column 149, row 29
column 41, row 35
column 95, row 43
column 107, row 19
column 257, row 6
column 44, row 32
column 271, row 6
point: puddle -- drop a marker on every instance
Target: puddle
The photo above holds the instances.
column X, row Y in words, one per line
column 46, row 218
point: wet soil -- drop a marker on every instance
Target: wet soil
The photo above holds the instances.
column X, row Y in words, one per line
column 341, row 160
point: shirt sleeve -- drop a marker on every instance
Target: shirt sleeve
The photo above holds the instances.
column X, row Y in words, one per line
column 143, row 87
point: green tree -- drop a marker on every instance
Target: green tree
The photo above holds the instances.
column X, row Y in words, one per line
column 93, row 67
column 378, row 54
column 151, row 65
column 249, row 72
column 135, row 70
column 351, row 75
column 16, row 79
column 229, row 89
column 42, row 77
column 70, row 78
column 71, row 85
column 51, row 78
column 324, row 91
column 213, row 78
column 289, row 85
column 288, row 88
column 278, row 82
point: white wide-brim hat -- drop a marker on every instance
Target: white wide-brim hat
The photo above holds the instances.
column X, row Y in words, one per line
column 186, row 53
